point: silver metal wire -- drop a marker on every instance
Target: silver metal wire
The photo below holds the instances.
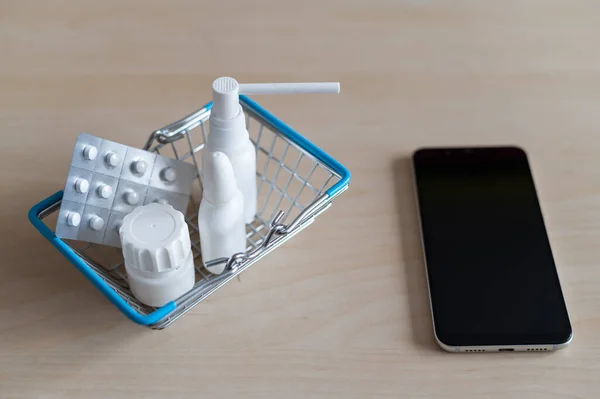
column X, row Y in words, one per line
column 288, row 178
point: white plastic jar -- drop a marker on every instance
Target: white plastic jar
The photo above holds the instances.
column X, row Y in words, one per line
column 158, row 255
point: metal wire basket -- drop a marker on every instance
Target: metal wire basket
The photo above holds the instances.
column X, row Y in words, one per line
column 296, row 182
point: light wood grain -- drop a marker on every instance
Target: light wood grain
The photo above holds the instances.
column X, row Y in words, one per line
column 341, row 310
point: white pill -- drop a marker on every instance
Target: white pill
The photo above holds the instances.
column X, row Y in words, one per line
column 82, row 186
column 73, row 219
column 96, row 223
column 162, row 201
column 139, row 167
column 90, row 152
column 169, row 174
column 132, row 198
column 112, row 159
column 104, row 191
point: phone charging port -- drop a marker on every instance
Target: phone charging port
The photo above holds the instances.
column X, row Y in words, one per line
column 506, row 350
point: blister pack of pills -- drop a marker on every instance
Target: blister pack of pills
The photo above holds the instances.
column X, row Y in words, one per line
column 107, row 180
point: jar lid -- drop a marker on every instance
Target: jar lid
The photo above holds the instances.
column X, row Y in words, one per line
column 155, row 238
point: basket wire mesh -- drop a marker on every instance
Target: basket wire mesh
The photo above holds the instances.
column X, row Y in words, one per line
column 292, row 186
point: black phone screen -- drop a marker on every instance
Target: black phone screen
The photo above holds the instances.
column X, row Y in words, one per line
column 492, row 276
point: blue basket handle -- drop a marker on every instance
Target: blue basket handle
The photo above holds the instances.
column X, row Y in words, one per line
column 98, row 282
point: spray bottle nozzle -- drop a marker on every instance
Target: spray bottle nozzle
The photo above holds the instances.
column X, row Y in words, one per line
column 226, row 93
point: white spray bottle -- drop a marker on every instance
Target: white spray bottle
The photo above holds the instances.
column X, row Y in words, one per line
column 220, row 218
column 228, row 132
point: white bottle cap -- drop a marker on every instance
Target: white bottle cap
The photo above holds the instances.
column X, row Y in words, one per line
column 226, row 102
column 90, row 152
column 96, row 223
column 82, row 186
column 155, row 238
column 226, row 91
column 219, row 179
column 104, row 191
column 112, row 159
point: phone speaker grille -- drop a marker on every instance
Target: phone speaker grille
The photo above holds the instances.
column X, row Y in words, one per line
column 537, row 349
column 475, row 350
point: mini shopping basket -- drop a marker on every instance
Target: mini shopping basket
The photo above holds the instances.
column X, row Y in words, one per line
column 296, row 182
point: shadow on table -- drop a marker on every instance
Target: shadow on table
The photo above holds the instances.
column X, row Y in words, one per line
column 411, row 255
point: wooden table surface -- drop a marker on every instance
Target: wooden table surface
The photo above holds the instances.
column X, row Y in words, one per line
column 341, row 310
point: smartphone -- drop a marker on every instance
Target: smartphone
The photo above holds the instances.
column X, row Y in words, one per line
column 493, row 283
